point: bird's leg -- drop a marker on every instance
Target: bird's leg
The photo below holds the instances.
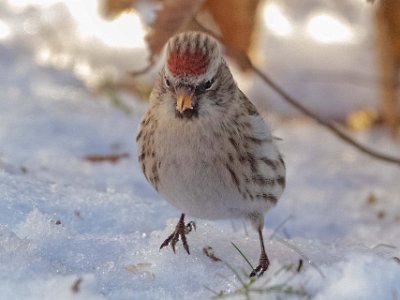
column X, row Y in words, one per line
column 264, row 261
column 181, row 230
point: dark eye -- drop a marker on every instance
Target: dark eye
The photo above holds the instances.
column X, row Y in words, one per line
column 167, row 82
column 208, row 84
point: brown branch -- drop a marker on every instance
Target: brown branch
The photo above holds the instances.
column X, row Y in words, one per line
column 244, row 58
column 113, row 158
column 144, row 70
column 328, row 125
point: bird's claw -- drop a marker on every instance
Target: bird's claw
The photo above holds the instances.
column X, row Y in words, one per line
column 181, row 230
column 190, row 226
column 167, row 241
column 262, row 267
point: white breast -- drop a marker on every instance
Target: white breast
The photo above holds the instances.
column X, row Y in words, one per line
column 193, row 174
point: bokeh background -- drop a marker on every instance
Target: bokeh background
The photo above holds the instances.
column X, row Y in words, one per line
column 312, row 48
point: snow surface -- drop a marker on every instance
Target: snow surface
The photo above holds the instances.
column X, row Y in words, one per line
column 74, row 229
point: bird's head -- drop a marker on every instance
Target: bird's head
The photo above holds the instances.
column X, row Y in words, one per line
column 194, row 72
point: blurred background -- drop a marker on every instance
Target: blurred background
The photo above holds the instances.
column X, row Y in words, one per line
column 339, row 58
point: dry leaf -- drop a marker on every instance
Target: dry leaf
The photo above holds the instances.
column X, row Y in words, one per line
column 361, row 120
column 76, row 286
column 371, row 199
column 235, row 20
column 380, row 214
column 209, row 252
column 113, row 8
column 95, row 158
column 173, row 17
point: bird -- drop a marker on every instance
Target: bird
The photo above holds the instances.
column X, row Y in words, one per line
column 203, row 145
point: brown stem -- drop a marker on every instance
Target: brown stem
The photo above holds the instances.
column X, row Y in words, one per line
column 143, row 71
column 328, row 125
column 243, row 57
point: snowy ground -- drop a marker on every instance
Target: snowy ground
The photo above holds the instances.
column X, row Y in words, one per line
column 73, row 229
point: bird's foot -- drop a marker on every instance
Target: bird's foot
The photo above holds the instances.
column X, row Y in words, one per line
column 181, row 230
column 262, row 266
column 190, row 226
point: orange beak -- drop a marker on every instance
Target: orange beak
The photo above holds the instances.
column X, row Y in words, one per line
column 184, row 101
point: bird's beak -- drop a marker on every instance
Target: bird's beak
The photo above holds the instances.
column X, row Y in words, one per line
column 184, row 101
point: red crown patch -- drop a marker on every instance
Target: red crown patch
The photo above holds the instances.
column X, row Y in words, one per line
column 187, row 63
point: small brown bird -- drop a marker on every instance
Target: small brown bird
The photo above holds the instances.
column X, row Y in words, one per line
column 203, row 145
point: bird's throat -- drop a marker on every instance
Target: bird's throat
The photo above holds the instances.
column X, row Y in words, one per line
column 188, row 113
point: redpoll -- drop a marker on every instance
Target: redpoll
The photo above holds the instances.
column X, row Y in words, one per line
column 203, row 145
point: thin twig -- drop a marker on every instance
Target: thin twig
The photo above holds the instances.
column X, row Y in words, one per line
column 143, row 71
column 328, row 125
column 242, row 254
column 244, row 58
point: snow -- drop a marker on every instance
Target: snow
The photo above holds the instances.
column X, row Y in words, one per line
column 357, row 277
column 74, row 229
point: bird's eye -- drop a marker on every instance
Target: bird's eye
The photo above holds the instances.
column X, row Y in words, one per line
column 167, row 82
column 208, row 84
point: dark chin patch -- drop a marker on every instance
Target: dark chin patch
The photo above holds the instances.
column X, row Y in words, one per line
column 188, row 114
